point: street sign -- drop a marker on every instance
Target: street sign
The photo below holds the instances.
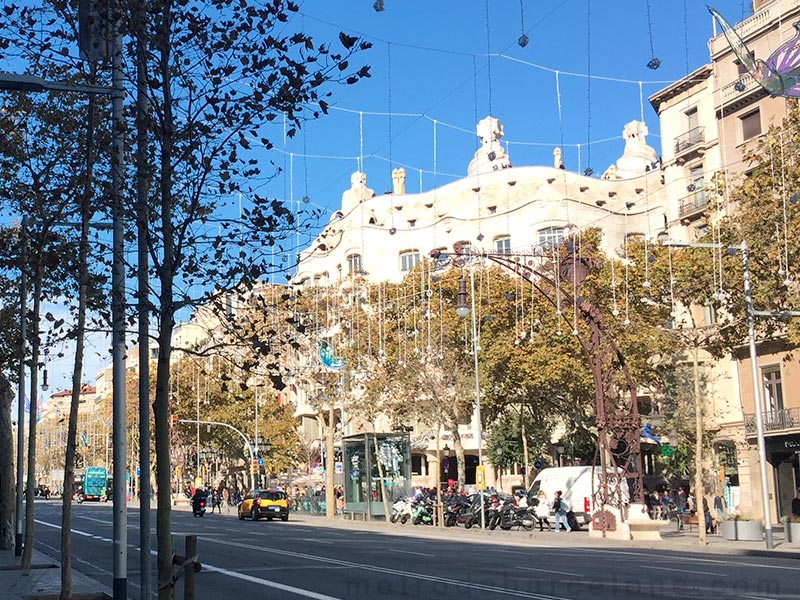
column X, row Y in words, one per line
column 537, row 464
column 667, row 450
column 260, row 462
column 338, row 467
column 138, row 471
column 479, row 477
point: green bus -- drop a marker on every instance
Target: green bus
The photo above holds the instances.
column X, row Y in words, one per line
column 95, row 484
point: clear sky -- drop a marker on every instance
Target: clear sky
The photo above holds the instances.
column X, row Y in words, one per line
column 438, row 66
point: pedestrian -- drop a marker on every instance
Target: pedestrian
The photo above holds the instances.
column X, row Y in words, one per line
column 707, row 516
column 665, row 502
column 542, row 511
column 796, row 505
column 560, row 508
column 680, row 498
column 217, row 500
column 719, row 507
column 226, row 498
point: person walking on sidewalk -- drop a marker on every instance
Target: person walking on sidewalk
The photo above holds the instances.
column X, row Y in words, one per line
column 561, row 507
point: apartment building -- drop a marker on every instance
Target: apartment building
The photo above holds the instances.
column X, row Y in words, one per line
column 707, row 119
column 495, row 207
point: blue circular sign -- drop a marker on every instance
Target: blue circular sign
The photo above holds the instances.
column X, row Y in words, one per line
column 537, row 464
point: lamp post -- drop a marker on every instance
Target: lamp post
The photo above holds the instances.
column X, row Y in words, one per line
column 30, row 83
column 463, row 310
column 247, row 443
column 750, row 315
column 560, row 454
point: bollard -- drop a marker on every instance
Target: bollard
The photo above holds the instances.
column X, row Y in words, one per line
column 189, row 568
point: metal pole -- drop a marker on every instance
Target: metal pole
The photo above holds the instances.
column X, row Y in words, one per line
column 23, row 310
column 243, row 436
column 255, row 438
column 477, row 386
column 120, row 516
column 762, row 454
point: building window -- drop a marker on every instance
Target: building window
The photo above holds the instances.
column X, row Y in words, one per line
column 419, row 464
column 503, row 244
column 700, row 231
column 354, row 264
column 409, row 260
column 692, row 120
column 709, row 314
column 552, row 236
column 751, row 125
column 773, row 389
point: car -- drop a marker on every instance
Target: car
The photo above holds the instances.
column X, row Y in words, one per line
column 265, row 503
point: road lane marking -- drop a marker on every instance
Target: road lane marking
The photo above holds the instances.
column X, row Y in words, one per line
column 75, row 531
column 551, row 571
column 316, row 541
column 267, row 583
column 411, row 552
column 396, row 572
column 678, row 570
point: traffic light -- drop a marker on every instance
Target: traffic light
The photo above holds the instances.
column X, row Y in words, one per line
column 254, row 467
column 173, row 420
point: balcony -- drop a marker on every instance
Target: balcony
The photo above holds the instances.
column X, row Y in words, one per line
column 774, row 420
column 693, row 204
column 690, row 139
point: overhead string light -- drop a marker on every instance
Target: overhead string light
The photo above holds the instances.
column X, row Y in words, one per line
column 488, row 57
column 627, row 320
column 588, row 172
column 557, row 278
column 654, row 63
column 523, row 38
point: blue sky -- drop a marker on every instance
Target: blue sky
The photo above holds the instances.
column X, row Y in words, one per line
column 438, row 61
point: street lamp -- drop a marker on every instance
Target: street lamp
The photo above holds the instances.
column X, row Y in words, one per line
column 116, row 91
column 750, row 314
column 463, row 310
column 560, row 453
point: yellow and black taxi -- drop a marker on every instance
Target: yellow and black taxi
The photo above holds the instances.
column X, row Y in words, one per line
column 265, row 503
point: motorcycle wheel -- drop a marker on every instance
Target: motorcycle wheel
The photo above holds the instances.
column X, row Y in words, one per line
column 404, row 519
column 494, row 522
column 527, row 524
column 468, row 522
column 416, row 520
column 394, row 517
column 450, row 521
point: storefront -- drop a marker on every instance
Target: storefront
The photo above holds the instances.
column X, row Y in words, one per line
column 783, row 453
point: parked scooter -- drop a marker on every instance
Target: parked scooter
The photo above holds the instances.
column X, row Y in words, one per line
column 402, row 511
column 514, row 516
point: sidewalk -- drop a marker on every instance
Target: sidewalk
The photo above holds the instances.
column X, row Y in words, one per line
column 43, row 581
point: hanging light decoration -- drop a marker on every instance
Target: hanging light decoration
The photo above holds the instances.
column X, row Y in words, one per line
column 378, row 6
column 523, row 39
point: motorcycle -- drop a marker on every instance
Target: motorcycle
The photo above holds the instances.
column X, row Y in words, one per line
column 199, row 505
column 423, row 512
column 456, row 510
column 402, row 511
column 514, row 516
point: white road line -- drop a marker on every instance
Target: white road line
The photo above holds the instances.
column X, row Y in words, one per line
column 317, row 541
column 551, row 571
column 396, row 572
column 270, row 584
column 678, row 570
column 411, row 552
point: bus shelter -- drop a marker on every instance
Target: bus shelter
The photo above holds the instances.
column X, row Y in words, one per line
column 363, row 467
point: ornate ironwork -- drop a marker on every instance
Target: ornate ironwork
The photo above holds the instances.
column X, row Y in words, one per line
column 616, row 405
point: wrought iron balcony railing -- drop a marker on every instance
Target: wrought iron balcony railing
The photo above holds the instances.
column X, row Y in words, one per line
column 693, row 203
column 774, row 420
column 691, row 138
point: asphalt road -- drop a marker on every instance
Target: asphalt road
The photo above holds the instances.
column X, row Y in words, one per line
column 304, row 558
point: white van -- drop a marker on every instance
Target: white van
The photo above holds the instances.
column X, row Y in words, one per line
column 575, row 484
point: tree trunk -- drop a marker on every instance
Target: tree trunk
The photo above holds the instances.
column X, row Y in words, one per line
column 7, row 489
column 30, row 477
column 525, row 458
column 77, row 369
column 462, row 470
column 698, row 449
column 330, row 508
column 166, row 321
column 381, row 475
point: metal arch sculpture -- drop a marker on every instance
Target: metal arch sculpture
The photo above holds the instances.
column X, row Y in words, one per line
column 616, row 403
